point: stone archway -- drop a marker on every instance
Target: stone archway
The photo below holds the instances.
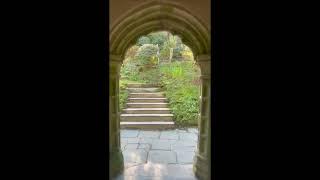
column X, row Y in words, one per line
column 147, row 18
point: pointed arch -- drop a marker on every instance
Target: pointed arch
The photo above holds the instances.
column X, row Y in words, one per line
column 155, row 16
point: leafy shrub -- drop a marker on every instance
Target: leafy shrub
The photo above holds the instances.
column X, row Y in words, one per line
column 145, row 54
column 151, row 76
column 143, row 40
column 147, row 63
column 123, row 94
column 158, row 38
column 129, row 70
column 143, row 67
column 183, row 95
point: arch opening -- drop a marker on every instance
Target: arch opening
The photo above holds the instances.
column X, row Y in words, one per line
column 168, row 60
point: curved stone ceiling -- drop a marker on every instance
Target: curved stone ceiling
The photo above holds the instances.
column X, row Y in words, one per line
column 159, row 16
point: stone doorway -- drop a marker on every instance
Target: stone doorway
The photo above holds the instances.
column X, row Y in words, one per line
column 157, row 16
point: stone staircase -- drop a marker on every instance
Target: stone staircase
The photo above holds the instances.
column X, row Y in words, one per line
column 146, row 108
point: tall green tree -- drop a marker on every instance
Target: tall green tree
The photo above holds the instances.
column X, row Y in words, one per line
column 158, row 38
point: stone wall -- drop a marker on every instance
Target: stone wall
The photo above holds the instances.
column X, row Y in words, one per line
column 199, row 8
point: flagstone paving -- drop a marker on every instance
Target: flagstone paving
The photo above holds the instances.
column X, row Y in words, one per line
column 158, row 155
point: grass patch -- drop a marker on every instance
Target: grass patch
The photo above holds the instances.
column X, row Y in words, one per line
column 181, row 85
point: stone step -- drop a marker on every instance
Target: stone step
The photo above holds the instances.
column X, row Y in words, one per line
column 140, row 90
column 141, row 85
column 149, row 125
column 146, row 117
column 147, row 105
column 146, row 95
column 146, row 111
column 147, row 100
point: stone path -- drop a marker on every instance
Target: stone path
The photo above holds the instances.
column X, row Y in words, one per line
column 158, row 155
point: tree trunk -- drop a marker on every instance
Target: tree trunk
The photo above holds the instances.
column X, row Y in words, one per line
column 171, row 54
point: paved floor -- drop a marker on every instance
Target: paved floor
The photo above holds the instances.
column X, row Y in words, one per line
column 158, row 155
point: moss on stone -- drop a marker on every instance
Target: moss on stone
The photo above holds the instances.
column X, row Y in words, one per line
column 116, row 163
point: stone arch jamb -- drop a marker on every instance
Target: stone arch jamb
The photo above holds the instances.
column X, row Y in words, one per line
column 202, row 161
column 115, row 155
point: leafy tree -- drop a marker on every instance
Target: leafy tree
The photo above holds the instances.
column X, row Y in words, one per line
column 168, row 44
column 146, row 53
column 158, row 38
column 147, row 63
column 144, row 40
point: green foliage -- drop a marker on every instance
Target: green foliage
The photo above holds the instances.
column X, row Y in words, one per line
column 174, row 42
column 137, row 58
column 165, row 40
column 179, row 47
column 187, row 54
column 158, row 38
column 182, row 71
column 178, row 82
column 143, row 67
column 179, row 79
column 143, row 40
column 123, row 95
column 151, row 76
column 145, row 54
column 147, row 63
column 123, row 92
column 129, row 70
